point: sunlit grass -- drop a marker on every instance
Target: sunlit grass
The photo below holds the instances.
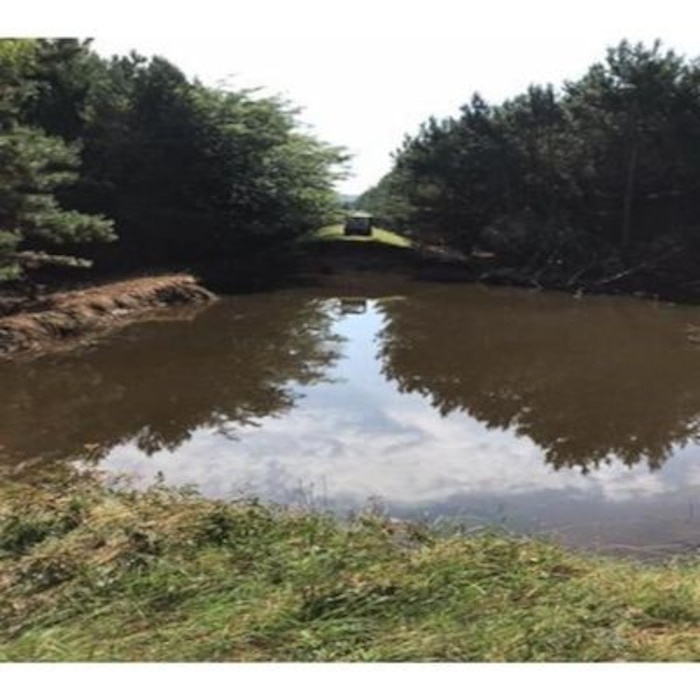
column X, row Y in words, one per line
column 379, row 235
column 89, row 573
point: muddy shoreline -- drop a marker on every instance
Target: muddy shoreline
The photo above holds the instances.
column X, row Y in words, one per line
column 63, row 319
column 442, row 265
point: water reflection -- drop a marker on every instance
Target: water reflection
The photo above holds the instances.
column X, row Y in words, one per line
column 588, row 382
column 352, row 306
column 447, row 401
column 155, row 384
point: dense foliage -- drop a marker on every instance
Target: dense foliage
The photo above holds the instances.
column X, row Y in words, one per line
column 32, row 166
column 600, row 173
column 186, row 172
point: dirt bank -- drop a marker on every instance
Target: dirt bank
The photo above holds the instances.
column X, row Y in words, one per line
column 338, row 256
column 63, row 318
column 327, row 259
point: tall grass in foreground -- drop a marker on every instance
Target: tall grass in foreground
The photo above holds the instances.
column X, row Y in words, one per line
column 91, row 573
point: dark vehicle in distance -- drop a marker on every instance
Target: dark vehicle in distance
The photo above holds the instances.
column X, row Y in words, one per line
column 358, row 223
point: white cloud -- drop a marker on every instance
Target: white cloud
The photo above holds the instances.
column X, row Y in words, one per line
column 405, row 453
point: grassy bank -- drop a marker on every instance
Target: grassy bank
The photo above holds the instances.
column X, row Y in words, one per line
column 379, row 237
column 88, row 573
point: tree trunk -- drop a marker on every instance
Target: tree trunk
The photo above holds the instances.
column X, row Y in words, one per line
column 629, row 196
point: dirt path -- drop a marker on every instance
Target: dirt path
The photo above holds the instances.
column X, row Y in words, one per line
column 64, row 318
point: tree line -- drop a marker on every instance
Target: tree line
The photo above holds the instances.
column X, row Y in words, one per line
column 126, row 162
column 595, row 180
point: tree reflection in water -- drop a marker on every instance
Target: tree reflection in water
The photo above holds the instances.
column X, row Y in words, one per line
column 156, row 383
column 588, row 382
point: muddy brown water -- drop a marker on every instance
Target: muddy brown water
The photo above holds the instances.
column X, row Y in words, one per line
column 535, row 412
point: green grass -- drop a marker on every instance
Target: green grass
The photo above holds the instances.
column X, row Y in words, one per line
column 379, row 236
column 89, row 573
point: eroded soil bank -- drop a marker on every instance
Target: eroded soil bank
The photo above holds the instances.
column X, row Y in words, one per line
column 59, row 319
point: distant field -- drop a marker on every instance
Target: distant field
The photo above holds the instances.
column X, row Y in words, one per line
column 379, row 235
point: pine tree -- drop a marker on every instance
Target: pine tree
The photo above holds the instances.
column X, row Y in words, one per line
column 34, row 229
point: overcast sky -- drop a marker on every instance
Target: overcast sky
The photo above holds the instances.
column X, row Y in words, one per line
column 369, row 71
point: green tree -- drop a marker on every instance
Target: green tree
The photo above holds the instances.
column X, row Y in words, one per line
column 189, row 174
column 34, row 229
column 625, row 119
column 192, row 173
column 601, row 177
column 17, row 57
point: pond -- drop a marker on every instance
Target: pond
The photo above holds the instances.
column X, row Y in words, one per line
column 534, row 412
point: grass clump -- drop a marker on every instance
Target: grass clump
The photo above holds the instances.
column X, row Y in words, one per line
column 92, row 573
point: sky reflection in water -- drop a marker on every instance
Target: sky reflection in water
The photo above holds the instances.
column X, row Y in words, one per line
column 352, row 435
